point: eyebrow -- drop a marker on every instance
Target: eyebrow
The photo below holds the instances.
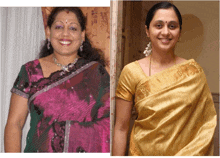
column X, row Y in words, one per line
column 168, row 22
column 63, row 22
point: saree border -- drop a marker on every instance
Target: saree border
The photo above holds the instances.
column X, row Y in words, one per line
column 66, row 139
column 163, row 79
column 61, row 81
column 19, row 92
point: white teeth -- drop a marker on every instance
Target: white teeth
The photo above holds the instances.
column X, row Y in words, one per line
column 65, row 42
column 164, row 40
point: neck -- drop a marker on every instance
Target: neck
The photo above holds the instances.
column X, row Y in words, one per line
column 65, row 59
column 162, row 58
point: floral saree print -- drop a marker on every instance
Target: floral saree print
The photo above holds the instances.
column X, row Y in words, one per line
column 70, row 110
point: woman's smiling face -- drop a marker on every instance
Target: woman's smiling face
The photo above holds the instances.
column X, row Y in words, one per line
column 65, row 33
column 164, row 30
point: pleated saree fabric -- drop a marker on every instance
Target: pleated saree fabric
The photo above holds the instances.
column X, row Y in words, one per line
column 176, row 114
column 70, row 110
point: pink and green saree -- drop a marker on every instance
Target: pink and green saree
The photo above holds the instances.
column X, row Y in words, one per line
column 70, row 111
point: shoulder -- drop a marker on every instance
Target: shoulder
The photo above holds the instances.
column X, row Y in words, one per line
column 192, row 67
column 189, row 62
column 196, row 65
column 180, row 60
column 131, row 67
column 32, row 64
column 93, row 68
column 132, row 64
column 127, row 81
column 33, row 70
column 134, row 70
column 131, row 73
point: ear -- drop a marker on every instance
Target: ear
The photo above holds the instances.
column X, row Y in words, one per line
column 147, row 31
column 47, row 32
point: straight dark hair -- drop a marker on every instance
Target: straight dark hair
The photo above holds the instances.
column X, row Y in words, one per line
column 162, row 5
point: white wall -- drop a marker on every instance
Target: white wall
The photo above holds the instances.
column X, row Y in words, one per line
column 22, row 32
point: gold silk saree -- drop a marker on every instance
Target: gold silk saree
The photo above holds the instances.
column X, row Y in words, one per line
column 176, row 114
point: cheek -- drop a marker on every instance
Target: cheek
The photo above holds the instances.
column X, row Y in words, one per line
column 55, row 33
column 76, row 35
column 176, row 34
column 76, row 39
column 154, row 33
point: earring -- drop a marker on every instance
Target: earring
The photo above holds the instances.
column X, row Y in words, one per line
column 148, row 49
column 48, row 44
column 81, row 47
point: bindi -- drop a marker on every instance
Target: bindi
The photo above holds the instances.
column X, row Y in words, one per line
column 67, row 13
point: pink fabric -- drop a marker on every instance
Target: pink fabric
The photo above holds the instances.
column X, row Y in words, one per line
column 82, row 98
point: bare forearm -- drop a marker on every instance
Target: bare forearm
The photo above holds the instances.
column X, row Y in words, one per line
column 119, row 143
column 12, row 138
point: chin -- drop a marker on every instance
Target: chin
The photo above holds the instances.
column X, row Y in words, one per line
column 166, row 48
column 66, row 53
column 163, row 49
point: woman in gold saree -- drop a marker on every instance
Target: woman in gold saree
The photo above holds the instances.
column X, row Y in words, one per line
column 176, row 114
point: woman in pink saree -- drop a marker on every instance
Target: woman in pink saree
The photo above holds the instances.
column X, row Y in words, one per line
column 66, row 92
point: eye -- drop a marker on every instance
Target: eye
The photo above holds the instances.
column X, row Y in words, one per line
column 73, row 28
column 159, row 26
column 58, row 27
column 172, row 27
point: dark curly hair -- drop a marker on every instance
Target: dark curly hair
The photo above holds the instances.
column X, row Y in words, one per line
column 89, row 53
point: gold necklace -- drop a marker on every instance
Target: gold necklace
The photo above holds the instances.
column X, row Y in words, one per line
column 150, row 64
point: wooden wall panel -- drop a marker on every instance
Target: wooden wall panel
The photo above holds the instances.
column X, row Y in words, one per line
column 98, row 28
column 45, row 12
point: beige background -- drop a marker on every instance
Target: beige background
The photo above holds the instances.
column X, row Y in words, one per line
column 200, row 37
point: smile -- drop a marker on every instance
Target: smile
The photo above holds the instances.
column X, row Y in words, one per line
column 65, row 42
column 164, row 40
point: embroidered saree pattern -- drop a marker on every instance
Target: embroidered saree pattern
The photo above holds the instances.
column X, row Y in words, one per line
column 176, row 114
column 69, row 110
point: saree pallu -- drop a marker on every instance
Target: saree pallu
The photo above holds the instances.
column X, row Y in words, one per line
column 69, row 110
column 176, row 114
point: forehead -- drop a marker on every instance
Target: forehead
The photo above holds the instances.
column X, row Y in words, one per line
column 66, row 15
column 165, row 15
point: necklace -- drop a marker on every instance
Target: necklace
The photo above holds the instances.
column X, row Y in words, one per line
column 64, row 67
column 150, row 64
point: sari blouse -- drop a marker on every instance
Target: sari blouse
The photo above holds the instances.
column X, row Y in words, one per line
column 176, row 113
column 69, row 110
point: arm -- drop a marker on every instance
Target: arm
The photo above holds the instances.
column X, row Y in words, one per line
column 16, row 118
column 123, row 115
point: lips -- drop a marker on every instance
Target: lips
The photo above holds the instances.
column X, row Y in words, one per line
column 65, row 42
column 164, row 40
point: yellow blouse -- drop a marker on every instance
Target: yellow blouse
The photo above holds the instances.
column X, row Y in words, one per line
column 176, row 114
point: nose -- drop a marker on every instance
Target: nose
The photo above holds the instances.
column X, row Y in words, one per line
column 65, row 31
column 165, row 31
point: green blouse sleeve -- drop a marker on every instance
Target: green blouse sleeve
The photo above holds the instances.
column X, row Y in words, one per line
column 21, row 85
